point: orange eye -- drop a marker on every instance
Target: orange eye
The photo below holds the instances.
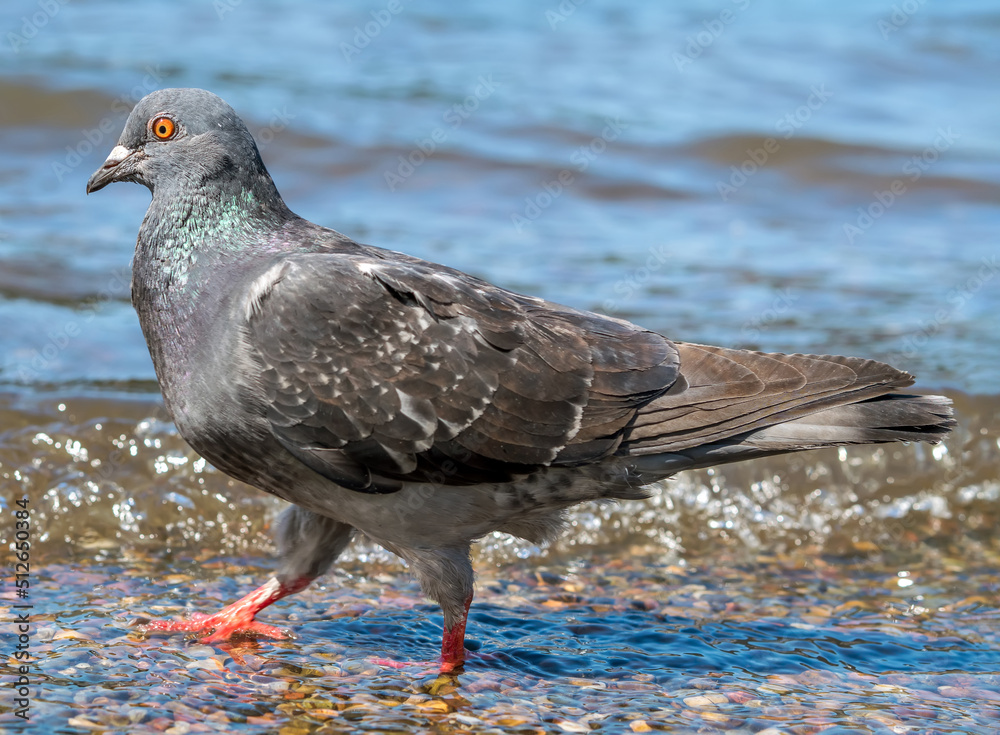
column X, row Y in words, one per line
column 163, row 128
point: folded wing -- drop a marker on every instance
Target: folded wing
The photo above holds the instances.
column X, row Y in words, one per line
column 378, row 372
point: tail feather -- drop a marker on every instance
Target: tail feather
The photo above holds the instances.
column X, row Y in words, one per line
column 726, row 392
column 733, row 405
column 887, row 418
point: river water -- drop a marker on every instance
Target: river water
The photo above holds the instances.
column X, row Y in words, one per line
column 758, row 174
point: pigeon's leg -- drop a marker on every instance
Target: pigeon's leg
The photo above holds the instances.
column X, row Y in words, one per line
column 232, row 620
column 453, row 641
column 309, row 544
column 446, row 577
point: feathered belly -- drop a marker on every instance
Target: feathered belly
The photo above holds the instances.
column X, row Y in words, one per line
column 429, row 516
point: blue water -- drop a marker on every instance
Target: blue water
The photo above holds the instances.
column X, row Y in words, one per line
column 642, row 106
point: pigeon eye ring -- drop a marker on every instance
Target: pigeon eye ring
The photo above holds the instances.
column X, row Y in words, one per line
column 163, row 128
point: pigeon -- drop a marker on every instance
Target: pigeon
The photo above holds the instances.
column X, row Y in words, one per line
column 385, row 395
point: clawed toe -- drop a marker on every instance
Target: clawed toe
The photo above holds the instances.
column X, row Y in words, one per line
column 214, row 627
column 235, row 621
column 251, row 630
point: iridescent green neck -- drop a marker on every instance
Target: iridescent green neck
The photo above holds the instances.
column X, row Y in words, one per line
column 182, row 234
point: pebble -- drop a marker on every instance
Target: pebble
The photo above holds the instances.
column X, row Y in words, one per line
column 467, row 720
column 772, row 689
column 739, row 697
column 434, row 705
column 706, row 700
column 200, row 651
column 70, row 634
column 84, row 723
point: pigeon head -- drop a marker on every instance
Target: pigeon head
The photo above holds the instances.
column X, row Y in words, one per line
column 185, row 142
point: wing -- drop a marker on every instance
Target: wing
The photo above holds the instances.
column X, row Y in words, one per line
column 381, row 371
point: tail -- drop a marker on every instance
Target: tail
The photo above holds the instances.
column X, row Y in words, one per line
column 731, row 405
column 888, row 418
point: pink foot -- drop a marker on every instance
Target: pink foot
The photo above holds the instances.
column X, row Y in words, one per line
column 220, row 627
column 235, row 620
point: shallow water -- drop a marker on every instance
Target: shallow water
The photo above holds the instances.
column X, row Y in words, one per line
column 816, row 179
column 737, row 645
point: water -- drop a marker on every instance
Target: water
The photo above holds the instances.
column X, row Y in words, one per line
column 764, row 175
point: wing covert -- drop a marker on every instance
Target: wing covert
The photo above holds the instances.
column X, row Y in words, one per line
column 379, row 372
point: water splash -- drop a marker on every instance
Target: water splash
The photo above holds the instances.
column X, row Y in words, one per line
column 132, row 482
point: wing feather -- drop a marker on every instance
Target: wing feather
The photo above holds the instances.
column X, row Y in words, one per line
column 379, row 372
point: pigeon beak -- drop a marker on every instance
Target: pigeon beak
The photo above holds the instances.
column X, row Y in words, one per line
column 121, row 162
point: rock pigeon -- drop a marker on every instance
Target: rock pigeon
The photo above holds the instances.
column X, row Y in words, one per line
column 418, row 405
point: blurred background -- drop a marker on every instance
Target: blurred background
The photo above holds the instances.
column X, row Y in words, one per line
column 442, row 131
column 810, row 177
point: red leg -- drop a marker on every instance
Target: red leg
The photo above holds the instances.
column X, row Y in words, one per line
column 235, row 619
column 453, row 642
column 452, row 648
